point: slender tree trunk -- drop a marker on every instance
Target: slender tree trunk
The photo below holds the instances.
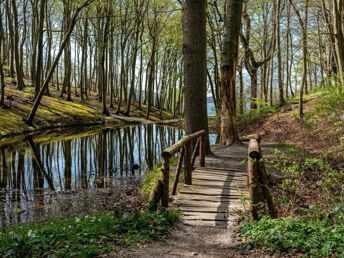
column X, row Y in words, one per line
column 19, row 67
column 38, row 69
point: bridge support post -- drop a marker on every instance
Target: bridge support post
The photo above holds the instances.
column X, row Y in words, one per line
column 202, row 151
column 165, row 180
column 187, row 163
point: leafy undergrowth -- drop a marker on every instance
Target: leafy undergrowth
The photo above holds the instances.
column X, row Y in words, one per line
column 314, row 238
column 309, row 196
column 87, row 236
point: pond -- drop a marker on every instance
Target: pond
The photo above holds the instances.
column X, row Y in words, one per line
column 53, row 176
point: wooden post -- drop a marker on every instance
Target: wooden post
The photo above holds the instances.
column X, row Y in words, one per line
column 263, row 178
column 155, row 196
column 165, row 180
column 253, row 182
column 202, row 151
column 187, row 163
column 179, row 168
column 195, row 153
column 254, row 156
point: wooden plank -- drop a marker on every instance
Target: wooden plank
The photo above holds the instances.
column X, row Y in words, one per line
column 208, row 216
column 223, row 179
column 224, row 199
column 224, row 170
column 215, row 192
column 211, row 209
column 220, row 173
column 206, row 204
column 212, row 173
column 203, row 223
column 216, row 184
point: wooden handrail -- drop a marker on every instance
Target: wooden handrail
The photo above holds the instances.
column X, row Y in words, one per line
column 170, row 151
column 184, row 146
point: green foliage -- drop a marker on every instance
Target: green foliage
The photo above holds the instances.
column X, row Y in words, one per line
column 331, row 105
column 312, row 237
column 298, row 176
column 256, row 115
column 87, row 236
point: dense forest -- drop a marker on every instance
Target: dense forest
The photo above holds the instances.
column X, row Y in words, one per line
column 108, row 106
column 129, row 52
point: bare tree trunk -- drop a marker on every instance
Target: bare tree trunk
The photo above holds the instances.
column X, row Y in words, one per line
column 18, row 65
column 195, row 67
column 38, row 79
column 229, row 131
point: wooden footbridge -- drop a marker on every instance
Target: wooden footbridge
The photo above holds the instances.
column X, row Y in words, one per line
column 231, row 180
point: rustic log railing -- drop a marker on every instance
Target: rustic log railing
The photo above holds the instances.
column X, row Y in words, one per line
column 257, row 178
column 161, row 189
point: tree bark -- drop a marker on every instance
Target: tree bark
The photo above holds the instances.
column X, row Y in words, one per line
column 229, row 131
column 195, row 67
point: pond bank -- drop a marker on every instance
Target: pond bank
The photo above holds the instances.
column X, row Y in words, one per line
column 55, row 112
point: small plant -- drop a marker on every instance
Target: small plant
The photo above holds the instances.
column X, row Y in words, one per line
column 293, row 235
column 86, row 236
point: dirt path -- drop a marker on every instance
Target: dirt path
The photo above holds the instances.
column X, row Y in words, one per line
column 207, row 228
column 190, row 241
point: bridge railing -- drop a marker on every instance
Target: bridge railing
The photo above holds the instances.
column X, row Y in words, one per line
column 188, row 155
column 257, row 178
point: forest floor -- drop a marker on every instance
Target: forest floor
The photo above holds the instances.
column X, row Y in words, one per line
column 56, row 112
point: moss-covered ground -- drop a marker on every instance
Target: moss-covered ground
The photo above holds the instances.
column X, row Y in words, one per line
column 55, row 111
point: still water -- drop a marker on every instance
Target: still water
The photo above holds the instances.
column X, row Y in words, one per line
column 39, row 179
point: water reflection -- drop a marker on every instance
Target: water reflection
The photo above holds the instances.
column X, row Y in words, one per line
column 37, row 179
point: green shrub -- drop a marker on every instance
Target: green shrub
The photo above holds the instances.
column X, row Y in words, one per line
column 88, row 236
column 311, row 237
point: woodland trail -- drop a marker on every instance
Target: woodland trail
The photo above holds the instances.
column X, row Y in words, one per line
column 210, row 210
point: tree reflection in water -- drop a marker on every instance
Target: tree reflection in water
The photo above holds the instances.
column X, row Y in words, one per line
column 38, row 181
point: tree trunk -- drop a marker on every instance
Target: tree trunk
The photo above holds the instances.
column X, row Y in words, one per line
column 229, row 131
column 195, row 67
column 18, row 65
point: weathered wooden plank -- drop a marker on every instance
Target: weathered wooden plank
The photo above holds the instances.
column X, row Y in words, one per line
column 214, row 185
column 203, row 223
column 205, row 204
column 214, row 192
column 200, row 209
column 221, row 179
column 219, row 169
column 222, row 175
column 226, row 199
column 226, row 174
column 208, row 216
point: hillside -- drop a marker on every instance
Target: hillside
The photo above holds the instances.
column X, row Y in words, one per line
column 321, row 133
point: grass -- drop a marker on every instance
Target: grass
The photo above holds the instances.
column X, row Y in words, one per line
column 313, row 238
column 87, row 236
